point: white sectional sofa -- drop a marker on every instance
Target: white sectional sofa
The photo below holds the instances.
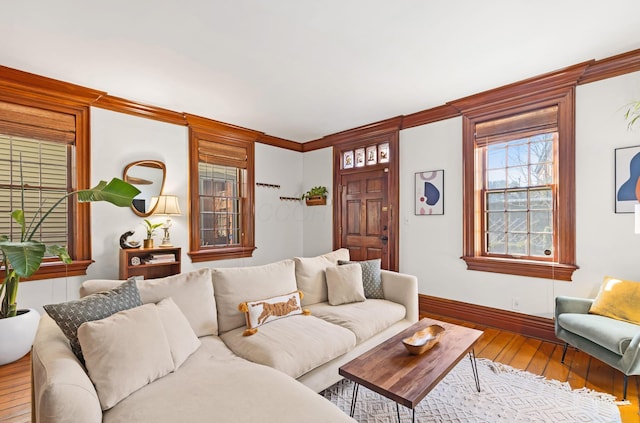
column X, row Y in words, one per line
column 214, row 372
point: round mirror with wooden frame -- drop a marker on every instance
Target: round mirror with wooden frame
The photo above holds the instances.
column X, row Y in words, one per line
column 148, row 176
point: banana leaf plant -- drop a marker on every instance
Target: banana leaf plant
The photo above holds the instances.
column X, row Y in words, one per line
column 633, row 113
column 21, row 259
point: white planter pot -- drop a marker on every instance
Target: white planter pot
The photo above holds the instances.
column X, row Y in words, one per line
column 17, row 334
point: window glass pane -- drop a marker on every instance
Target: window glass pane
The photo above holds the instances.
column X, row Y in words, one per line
column 518, row 153
column 540, row 199
column 517, row 200
column 539, row 244
column 517, row 244
column 541, row 221
column 518, row 177
column 496, row 243
column 496, row 179
column 496, row 222
column 219, row 204
column 496, row 157
column 541, row 174
column 517, row 221
column 541, row 152
column 495, row 201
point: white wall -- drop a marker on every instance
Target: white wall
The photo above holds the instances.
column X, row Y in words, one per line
column 318, row 220
column 118, row 139
column 431, row 246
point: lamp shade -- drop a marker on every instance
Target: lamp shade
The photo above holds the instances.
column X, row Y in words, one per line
column 166, row 205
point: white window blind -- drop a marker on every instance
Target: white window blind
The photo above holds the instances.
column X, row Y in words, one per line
column 45, row 174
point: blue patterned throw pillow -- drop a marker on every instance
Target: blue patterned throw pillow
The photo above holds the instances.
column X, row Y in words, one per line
column 70, row 315
column 371, row 278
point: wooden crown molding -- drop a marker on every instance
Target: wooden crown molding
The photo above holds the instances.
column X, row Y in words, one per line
column 122, row 105
column 424, row 117
column 393, row 124
column 204, row 125
column 612, row 66
column 35, row 86
column 553, row 81
column 29, row 85
column 280, row 142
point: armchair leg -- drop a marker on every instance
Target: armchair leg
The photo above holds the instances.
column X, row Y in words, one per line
column 564, row 352
column 624, row 389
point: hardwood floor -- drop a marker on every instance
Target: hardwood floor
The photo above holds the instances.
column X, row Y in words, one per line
column 532, row 355
column 15, row 391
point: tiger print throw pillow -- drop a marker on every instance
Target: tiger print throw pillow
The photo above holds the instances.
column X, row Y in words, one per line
column 259, row 312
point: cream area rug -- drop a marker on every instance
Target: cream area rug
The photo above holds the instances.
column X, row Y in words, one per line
column 507, row 395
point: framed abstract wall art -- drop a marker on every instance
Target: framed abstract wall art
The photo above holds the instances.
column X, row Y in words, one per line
column 627, row 168
column 429, row 192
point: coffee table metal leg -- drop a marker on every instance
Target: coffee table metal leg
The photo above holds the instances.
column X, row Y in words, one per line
column 353, row 400
column 398, row 412
column 474, row 367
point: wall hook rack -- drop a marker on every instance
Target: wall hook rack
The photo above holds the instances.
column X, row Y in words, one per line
column 262, row 184
column 290, row 198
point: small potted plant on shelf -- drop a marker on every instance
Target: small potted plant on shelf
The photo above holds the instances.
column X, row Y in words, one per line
column 22, row 258
column 151, row 229
column 316, row 196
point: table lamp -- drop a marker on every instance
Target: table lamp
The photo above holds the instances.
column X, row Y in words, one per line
column 166, row 205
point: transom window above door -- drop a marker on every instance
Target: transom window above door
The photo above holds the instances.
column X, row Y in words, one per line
column 366, row 155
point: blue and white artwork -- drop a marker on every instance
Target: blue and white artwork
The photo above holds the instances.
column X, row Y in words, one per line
column 627, row 161
column 429, row 192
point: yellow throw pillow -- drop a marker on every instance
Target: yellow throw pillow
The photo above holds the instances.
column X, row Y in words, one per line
column 264, row 311
column 618, row 299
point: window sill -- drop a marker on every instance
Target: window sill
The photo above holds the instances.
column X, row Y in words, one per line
column 534, row 269
column 56, row 269
column 220, row 253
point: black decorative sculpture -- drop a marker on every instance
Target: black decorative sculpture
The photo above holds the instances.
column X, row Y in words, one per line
column 125, row 243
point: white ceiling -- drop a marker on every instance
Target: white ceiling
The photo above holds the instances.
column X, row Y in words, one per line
column 301, row 69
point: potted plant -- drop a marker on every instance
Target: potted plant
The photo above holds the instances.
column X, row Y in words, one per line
column 21, row 259
column 151, row 229
column 316, row 196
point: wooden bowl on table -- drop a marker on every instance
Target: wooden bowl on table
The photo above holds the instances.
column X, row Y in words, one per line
column 423, row 340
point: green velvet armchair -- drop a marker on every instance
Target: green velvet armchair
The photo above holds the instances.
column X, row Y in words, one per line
column 614, row 342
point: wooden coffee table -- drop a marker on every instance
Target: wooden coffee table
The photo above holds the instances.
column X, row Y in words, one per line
column 391, row 371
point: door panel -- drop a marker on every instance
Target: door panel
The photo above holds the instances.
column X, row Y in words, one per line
column 365, row 216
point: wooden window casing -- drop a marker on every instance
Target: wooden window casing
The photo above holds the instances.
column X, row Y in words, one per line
column 48, row 121
column 221, row 181
column 493, row 123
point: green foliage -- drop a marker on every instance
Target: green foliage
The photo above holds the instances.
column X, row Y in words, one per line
column 632, row 114
column 151, row 227
column 21, row 259
column 315, row 192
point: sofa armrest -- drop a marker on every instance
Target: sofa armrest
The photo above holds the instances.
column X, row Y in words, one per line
column 572, row 305
column 402, row 289
column 62, row 390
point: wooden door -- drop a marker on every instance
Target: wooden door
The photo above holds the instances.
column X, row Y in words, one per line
column 365, row 215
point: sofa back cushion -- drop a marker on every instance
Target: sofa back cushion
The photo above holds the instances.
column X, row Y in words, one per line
column 191, row 291
column 232, row 286
column 125, row 352
column 310, row 275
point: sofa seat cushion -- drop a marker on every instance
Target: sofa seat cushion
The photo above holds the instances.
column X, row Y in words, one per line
column 207, row 390
column 364, row 319
column 293, row 345
column 614, row 335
